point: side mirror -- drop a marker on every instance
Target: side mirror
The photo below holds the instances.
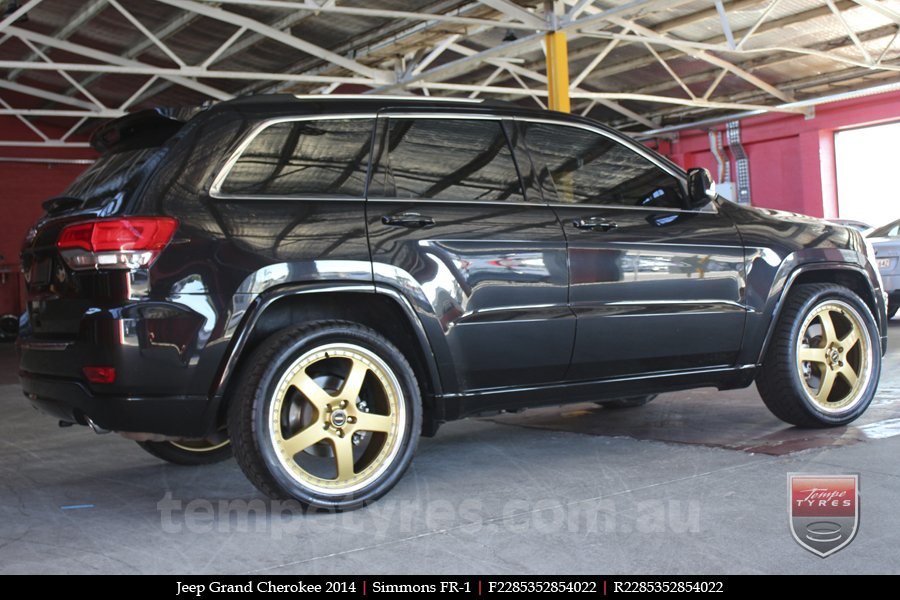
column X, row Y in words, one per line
column 701, row 187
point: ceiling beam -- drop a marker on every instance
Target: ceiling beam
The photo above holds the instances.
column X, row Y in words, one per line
column 644, row 61
column 76, row 22
column 382, row 13
column 17, row 14
column 186, row 73
column 516, row 12
column 772, row 60
column 881, row 8
column 500, row 90
column 44, row 94
column 704, row 56
column 542, row 80
column 114, row 62
column 279, row 36
column 519, row 46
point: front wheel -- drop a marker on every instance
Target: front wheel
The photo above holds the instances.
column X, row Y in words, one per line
column 823, row 363
column 328, row 414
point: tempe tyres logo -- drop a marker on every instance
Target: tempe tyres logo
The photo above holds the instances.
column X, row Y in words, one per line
column 824, row 511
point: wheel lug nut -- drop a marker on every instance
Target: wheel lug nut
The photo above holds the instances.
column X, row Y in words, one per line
column 343, row 404
column 351, row 420
column 340, row 433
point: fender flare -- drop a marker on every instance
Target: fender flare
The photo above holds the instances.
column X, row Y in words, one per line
column 792, row 278
column 262, row 301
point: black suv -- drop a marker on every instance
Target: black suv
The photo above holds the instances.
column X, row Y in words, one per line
column 316, row 282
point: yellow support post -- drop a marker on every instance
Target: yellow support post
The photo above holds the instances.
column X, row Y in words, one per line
column 558, row 71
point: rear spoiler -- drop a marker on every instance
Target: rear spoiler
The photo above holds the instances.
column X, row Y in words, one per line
column 143, row 129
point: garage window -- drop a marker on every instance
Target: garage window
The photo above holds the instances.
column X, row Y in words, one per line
column 304, row 158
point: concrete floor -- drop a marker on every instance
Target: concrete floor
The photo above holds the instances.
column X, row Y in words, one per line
column 692, row 483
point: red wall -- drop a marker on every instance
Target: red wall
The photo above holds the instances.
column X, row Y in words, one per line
column 791, row 156
column 24, row 187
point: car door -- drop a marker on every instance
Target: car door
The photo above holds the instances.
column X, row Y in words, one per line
column 655, row 287
column 452, row 229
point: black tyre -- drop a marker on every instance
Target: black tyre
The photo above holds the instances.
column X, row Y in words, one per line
column 892, row 309
column 628, row 402
column 328, row 413
column 190, row 453
column 822, row 365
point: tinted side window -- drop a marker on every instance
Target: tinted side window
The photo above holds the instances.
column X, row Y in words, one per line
column 580, row 166
column 311, row 158
column 446, row 159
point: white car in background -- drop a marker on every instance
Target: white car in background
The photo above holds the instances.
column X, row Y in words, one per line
column 886, row 241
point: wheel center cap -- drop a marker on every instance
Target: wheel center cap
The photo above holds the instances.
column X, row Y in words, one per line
column 834, row 355
column 339, row 417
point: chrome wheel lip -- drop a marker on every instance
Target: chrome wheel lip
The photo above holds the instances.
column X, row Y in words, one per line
column 210, row 448
column 396, row 400
column 866, row 357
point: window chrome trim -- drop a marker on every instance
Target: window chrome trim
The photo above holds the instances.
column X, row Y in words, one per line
column 524, row 203
column 390, row 113
column 215, row 191
column 709, row 208
column 398, row 113
column 365, row 97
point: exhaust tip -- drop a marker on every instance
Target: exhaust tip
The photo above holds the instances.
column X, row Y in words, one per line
column 97, row 429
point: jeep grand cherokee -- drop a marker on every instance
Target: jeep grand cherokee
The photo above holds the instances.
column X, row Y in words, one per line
column 316, row 282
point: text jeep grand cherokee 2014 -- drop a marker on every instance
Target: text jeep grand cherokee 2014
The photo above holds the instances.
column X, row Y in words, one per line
column 314, row 283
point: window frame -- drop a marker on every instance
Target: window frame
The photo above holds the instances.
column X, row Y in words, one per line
column 384, row 118
column 709, row 208
column 215, row 190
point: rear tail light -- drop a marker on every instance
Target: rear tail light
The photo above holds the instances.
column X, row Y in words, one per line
column 127, row 243
column 100, row 374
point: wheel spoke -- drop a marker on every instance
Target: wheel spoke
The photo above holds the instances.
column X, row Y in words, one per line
column 827, row 327
column 828, row 377
column 303, row 440
column 311, row 390
column 816, row 355
column 373, row 422
column 353, row 385
column 850, row 340
column 343, row 456
column 849, row 374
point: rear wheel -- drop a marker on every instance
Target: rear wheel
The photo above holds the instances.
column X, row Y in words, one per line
column 822, row 365
column 190, row 452
column 628, row 402
column 328, row 413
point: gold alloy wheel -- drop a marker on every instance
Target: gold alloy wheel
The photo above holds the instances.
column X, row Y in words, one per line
column 834, row 356
column 336, row 418
column 199, row 445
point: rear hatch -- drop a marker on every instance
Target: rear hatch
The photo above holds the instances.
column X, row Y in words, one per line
column 58, row 297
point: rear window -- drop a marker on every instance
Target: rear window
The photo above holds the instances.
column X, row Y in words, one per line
column 110, row 174
column 327, row 157
column 889, row 230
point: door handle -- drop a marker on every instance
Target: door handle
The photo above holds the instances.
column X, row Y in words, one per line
column 409, row 220
column 592, row 224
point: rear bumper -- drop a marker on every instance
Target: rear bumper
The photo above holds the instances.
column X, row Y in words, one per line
column 71, row 401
